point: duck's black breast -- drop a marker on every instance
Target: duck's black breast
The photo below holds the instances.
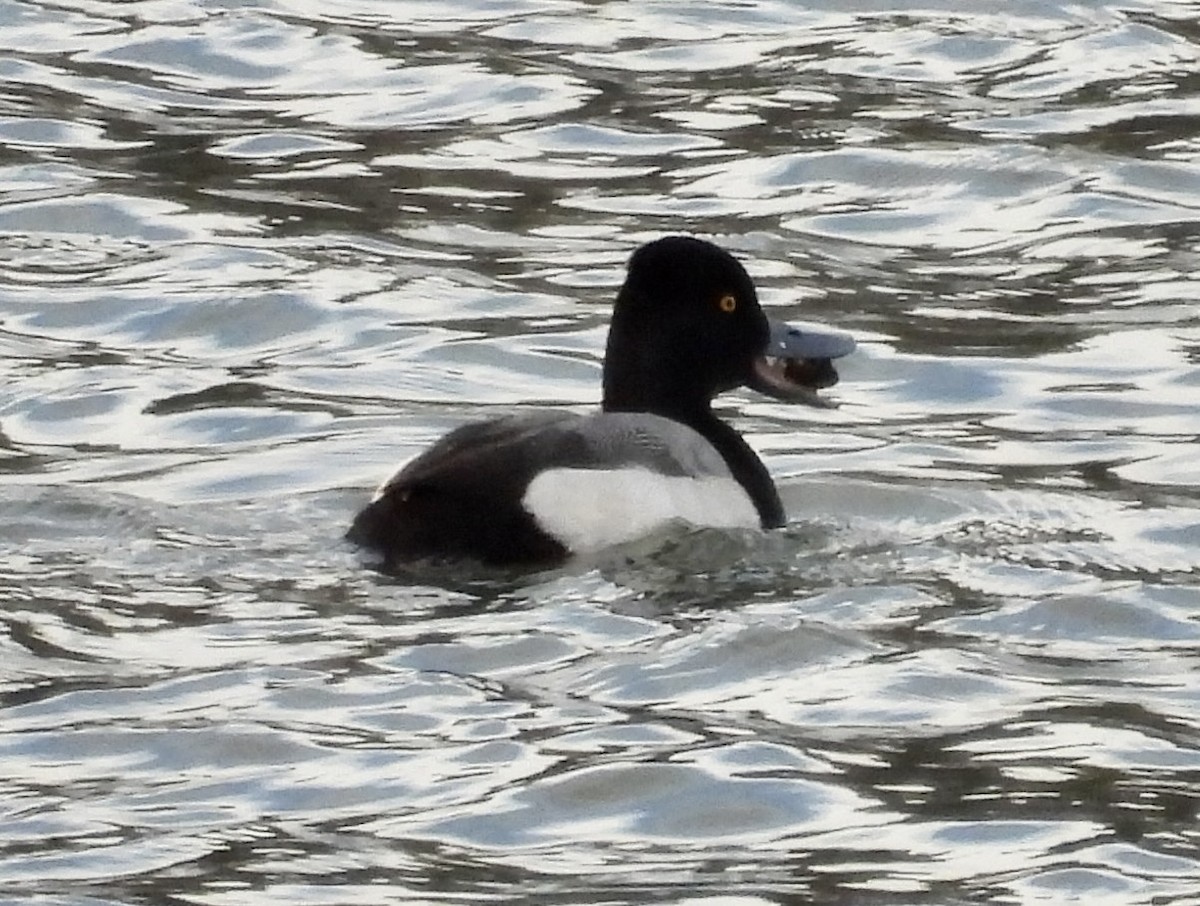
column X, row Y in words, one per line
column 535, row 487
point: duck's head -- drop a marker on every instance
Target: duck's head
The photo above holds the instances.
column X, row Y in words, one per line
column 687, row 325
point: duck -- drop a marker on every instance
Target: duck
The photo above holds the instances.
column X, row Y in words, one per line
column 536, row 488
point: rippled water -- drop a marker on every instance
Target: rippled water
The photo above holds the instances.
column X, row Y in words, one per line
column 253, row 256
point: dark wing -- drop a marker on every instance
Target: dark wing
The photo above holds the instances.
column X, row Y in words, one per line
column 491, row 455
column 462, row 496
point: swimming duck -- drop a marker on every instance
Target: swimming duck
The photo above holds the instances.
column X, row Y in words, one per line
column 535, row 488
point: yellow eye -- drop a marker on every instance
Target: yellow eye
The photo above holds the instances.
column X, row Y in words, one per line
column 727, row 304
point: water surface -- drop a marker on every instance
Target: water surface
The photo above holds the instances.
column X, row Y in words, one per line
column 254, row 256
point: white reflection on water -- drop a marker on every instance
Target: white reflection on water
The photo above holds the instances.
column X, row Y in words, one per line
column 250, row 258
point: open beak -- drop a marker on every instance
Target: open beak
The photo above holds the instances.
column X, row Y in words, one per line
column 798, row 361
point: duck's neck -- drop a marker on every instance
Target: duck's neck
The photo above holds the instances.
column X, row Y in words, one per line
column 743, row 462
column 647, row 382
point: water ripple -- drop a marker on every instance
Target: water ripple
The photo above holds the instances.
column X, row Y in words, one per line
column 254, row 257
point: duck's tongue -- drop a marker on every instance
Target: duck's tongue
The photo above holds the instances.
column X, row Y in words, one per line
column 797, row 361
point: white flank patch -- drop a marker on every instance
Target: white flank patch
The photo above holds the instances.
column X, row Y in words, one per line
column 588, row 509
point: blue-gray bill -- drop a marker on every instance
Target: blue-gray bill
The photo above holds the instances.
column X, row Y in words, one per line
column 798, row 362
